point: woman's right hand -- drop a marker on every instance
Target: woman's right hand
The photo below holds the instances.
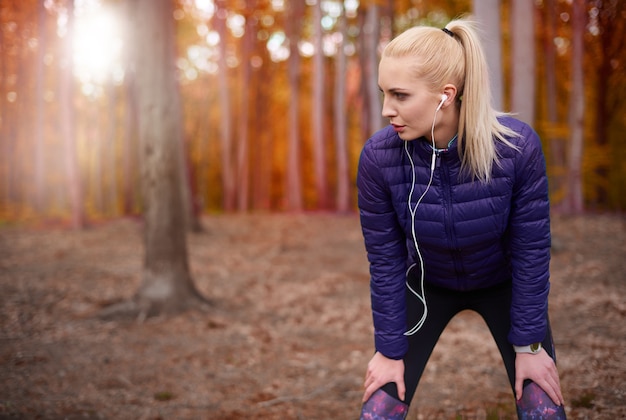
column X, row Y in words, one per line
column 382, row 370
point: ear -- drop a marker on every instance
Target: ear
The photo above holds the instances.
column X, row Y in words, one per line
column 450, row 91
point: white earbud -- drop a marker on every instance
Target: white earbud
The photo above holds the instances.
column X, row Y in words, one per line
column 444, row 97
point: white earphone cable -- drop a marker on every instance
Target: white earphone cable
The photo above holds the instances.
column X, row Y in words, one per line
column 412, row 211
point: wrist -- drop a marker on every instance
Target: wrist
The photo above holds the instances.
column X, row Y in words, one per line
column 389, row 357
column 531, row 348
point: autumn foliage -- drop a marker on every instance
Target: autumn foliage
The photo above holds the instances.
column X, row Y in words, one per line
column 263, row 84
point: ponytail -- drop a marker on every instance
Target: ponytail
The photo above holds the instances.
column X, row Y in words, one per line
column 478, row 120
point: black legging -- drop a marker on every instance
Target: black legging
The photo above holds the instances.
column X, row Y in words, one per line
column 493, row 304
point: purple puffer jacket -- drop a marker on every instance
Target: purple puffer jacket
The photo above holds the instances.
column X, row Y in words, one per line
column 471, row 234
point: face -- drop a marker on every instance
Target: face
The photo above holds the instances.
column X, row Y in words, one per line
column 408, row 103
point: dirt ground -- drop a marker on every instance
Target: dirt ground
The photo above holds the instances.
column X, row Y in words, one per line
column 288, row 335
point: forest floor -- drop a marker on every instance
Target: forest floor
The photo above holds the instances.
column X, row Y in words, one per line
column 288, row 334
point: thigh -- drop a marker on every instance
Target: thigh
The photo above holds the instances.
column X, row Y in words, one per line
column 494, row 306
column 441, row 305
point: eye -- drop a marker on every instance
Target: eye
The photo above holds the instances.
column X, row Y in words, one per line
column 400, row 96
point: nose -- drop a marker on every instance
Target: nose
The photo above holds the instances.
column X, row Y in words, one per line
column 388, row 111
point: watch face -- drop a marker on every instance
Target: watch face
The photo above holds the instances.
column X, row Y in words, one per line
column 535, row 347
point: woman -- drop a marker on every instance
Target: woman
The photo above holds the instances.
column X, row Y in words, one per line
column 454, row 210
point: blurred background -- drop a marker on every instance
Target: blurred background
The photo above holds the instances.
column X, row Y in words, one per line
column 277, row 97
column 262, row 110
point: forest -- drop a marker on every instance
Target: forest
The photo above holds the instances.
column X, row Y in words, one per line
column 179, row 234
column 276, row 99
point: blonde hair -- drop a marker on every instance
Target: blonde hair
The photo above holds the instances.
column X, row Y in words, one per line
column 458, row 59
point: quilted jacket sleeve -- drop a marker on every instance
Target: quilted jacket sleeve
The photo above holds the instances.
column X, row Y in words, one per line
column 529, row 243
column 386, row 252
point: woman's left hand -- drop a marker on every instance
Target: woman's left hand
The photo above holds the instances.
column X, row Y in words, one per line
column 541, row 369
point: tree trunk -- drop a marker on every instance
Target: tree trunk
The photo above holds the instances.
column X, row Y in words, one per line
column 68, row 126
column 4, row 137
column 202, row 169
column 95, row 183
column 262, row 169
column 487, row 12
column 372, row 39
column 243, row 153
column 576, row 111
column 523, row 55
column 129, row 143
column 362, row 97
column 556, row 154
column 319, row 145
column 109, row 155
column 293, row 178
column 228, row 175
column 40, row 191
column 166, row 285
column 340, row 123
column 609, row 96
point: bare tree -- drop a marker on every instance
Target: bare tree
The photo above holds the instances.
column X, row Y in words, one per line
column 4, row 111
column 94, row 182
column 340, row 123
column 319, row 146
column 110, row 145
column 166, row 285
column 556, row 149
column 243, row 152
column 228, row 175
column 293, row 178
column 371, row 29
column 576, row 112
column 264, row 142
column 609, row 59
column 487, row 12
column 523, row 55
column 129, row 144
column 38, row 149
column 68, row 125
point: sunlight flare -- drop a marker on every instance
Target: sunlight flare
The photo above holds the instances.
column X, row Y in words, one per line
column 97, row 45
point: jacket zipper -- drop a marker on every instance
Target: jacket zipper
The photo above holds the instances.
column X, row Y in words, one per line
column 444, row 171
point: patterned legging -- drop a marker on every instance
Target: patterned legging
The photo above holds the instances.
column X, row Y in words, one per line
column 493, row 304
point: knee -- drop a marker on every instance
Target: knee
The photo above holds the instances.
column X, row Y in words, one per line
column 536, row 404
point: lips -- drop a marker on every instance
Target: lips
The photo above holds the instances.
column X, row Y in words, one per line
column 398, row 128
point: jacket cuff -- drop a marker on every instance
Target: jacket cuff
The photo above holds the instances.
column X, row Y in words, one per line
column 395, row 349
